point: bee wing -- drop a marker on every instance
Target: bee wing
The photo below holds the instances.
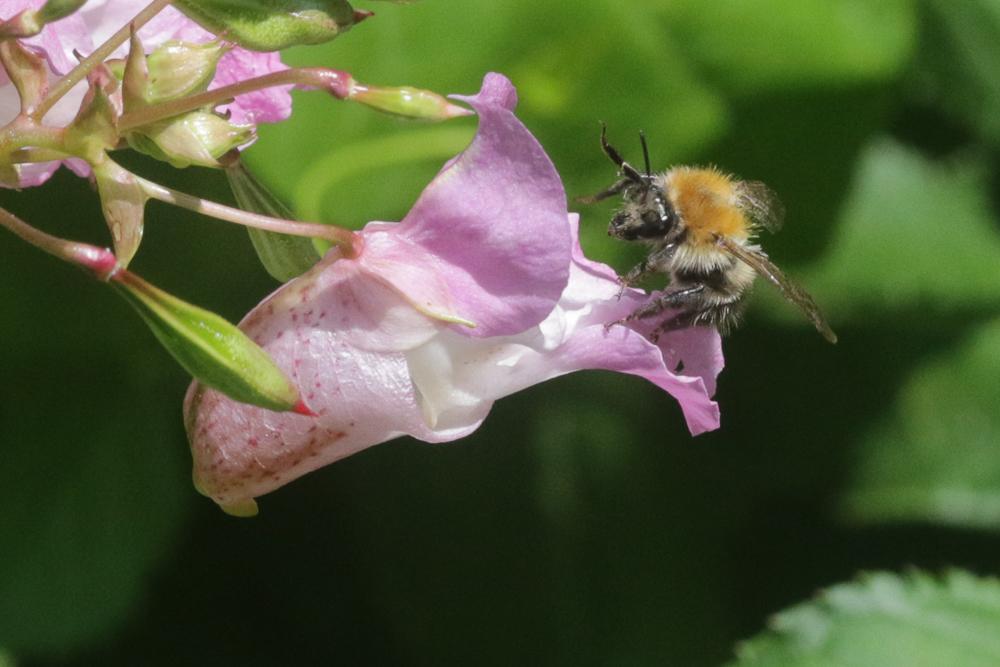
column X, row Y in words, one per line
column 761, row 205
column 760, row 263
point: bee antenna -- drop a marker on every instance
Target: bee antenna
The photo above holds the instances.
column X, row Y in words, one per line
column 645, row 150
column 616, row 157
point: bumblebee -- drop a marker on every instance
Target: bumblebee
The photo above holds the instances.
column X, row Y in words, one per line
column 700, row 224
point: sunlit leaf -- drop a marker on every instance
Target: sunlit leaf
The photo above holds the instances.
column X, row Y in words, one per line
column 266, row 25
column 746, row 45
column 959, row 65
column 572, row 73
column 887, row 620
column 936, row 456
column 917, row 238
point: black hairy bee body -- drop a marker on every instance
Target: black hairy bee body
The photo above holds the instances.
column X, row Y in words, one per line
column 700, row 225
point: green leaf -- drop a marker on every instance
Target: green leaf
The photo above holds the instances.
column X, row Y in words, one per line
column 886, row 620
column 93, row 493
column 211, row 349
column 747, row 45
column 284, row 256
column 608, row 51
column 916, row 238
column 271, row 25
column 936, row 457
column 959, row 65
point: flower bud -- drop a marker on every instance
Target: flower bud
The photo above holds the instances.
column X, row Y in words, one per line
column 173, row 70
column 211, row 349
column 407, row 102
column 260, row 25
column 30, row 22
column 195, row 138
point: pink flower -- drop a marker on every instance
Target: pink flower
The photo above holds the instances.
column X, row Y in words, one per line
column 377, row 344
column 93, row 24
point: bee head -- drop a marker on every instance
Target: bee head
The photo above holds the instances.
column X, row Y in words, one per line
column 646, row 216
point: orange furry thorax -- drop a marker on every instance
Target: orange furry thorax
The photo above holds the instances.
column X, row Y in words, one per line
column 706, row 201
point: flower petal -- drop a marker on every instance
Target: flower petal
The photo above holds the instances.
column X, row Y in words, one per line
column 459, row 378
column 339, row 332
column 496, row 219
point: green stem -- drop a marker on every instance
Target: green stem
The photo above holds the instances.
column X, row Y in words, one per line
column 100, row 261
column 336, row 82
column 31, row 155
column 101, row 54
column 348, row 240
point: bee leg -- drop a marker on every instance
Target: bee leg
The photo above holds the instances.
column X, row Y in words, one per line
column 667, row 301
column 723, row 317
column 611, row 191
column 656, row 262
column 681, row 321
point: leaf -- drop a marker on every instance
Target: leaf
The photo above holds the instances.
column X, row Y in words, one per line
column 271, row 25
column 747, row 45
column 936, row 456
column 284, row 256
column 916, row 238
column 678, row 111
column 93, row 492
column 959, row 67
column 887, row 620
column 211, row 349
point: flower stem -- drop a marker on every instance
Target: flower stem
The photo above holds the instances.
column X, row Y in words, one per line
column 338, row 83
column 349, row 241
column 30, row 155
column 99, row 55
column 100, row 261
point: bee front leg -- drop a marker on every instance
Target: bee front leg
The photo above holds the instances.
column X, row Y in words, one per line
column 656, row 262
column 611, row 191
column 677, row 299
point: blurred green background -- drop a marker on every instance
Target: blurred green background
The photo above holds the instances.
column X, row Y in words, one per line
column 581, row 524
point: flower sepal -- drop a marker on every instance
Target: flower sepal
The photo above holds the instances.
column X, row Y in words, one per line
column 95, row 128
column 26, row 70
column 211, row 349
column 123, row 203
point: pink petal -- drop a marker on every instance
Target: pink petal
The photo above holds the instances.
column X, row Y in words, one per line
column 496, row 216
column 333, row 330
